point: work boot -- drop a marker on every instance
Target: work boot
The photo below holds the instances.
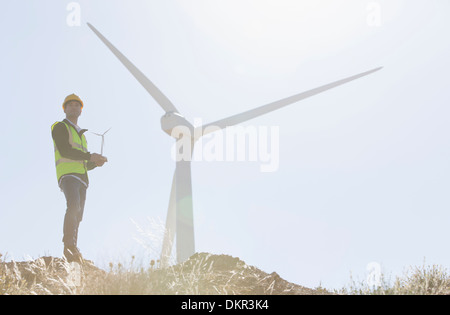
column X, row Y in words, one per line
column 72, row 254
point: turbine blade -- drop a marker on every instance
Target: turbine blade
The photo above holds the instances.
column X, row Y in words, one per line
column 107, row 131
column 239, row 118
column 184, row 211
column 159, row 97
column 169, row 234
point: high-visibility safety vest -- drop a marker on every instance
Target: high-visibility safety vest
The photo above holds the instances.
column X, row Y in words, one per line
column 67, row 166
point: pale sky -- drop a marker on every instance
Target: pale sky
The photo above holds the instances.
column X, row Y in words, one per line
column 363, row 168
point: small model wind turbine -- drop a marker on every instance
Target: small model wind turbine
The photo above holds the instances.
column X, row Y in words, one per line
column 180, row 219
column 103, row 138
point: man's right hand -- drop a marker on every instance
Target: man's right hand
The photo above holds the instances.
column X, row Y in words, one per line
column 98, row 159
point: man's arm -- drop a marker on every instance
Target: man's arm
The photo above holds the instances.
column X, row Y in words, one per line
column 61, row 137
column 90, row 165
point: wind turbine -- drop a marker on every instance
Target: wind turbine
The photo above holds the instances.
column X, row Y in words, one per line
column 179, row 219
column 103, row 138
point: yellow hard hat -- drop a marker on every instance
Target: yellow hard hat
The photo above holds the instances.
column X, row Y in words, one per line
column 72, row 97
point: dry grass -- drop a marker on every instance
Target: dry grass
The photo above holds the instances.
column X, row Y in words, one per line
column 202, row 274
column 416, row 280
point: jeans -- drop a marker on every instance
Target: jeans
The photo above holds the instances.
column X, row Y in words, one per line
column 75, row 193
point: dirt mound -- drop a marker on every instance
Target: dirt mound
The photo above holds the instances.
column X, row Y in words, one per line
column 202, row 273
column 205, row 273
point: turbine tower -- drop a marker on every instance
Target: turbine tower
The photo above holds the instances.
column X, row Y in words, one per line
column 180, row 221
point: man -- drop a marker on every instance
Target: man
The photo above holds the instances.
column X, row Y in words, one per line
column 72, row 161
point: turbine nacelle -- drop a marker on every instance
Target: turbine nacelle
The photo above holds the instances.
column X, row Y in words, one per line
column 175, row 125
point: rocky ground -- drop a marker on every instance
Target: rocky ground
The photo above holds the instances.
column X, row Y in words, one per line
column 203, row 273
